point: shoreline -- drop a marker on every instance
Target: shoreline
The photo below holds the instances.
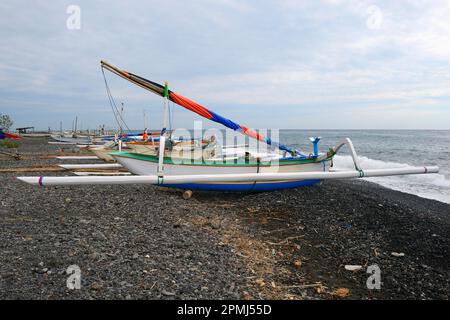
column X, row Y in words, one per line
column 146, row 242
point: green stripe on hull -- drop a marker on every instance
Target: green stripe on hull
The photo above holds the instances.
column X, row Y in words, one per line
column 153, row 158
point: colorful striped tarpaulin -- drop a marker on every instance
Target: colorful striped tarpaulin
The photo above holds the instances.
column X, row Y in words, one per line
column 5, row 135
column 194, row 107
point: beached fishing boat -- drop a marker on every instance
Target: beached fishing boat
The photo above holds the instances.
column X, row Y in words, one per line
column 208, row 166
column 66, row 139
column 142, row 164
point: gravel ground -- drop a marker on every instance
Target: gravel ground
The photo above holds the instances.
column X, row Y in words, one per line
column 146, row 242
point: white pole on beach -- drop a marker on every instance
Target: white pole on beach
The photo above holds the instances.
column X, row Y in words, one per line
column 91, row 166
column 238, row 177
column 162, row 141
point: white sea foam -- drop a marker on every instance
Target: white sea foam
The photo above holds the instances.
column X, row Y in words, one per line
column 432, row 186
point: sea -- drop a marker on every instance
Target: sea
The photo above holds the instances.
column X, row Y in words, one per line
column 379, row 149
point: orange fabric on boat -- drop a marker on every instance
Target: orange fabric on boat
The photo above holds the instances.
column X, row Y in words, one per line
column 145, row 136
column 190, row 105
column 252, row 133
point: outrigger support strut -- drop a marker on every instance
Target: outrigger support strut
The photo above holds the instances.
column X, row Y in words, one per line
column 349, row 143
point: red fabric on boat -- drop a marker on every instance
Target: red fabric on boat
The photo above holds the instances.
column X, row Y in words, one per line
column 190, row 105
column 252, row 133
column 13, row 136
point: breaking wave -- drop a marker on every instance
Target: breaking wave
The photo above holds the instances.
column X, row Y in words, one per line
column 432, row 186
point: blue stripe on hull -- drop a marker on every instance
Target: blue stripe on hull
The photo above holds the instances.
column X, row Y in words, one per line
column 243, row 186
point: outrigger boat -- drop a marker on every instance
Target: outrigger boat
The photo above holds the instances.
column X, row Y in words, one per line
column 223, row 168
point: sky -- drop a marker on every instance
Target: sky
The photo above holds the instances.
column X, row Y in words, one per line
column 265, row 64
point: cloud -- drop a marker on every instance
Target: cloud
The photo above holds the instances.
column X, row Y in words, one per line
column 242, row 59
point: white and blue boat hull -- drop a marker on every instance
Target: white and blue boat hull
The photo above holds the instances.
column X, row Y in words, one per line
column 148, row 165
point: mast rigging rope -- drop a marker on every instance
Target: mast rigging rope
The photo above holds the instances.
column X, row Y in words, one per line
column 117, row 114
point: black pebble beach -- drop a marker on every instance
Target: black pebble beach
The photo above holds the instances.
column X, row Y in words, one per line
column 147, row 242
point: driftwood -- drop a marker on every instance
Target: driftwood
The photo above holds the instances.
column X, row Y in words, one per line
column 54, row 168
column 13, row 155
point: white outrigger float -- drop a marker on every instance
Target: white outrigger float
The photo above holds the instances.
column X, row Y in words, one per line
column 213, row 168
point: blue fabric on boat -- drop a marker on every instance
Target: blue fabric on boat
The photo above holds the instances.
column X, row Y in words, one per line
column 226, row 122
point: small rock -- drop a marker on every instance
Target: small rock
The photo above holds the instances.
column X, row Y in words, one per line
column 397, row 254
column 41, row 264
column 260, row 282
column 167, row 293
column 94, row 256
column 341, row 292
column 351, row 267
column 246, row 296
column 128, row 297
column 99, row 236
column 297, row 264
column 215, row 224
column 68, row 200
column 96, row 286
column 135, row 256
column 7, row 275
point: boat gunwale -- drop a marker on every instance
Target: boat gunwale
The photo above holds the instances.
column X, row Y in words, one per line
column 167, row 160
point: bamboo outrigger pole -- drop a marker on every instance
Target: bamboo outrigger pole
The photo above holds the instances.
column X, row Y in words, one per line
column 238, row 177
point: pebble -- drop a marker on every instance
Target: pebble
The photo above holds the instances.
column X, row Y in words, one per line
column 350, row 267
column 397, row 254
column 215, row 224
column 167, row 293
column 99, row 236
column 96, row 286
